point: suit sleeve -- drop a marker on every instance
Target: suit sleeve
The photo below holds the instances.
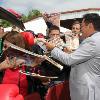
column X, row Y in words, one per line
column 85, row 52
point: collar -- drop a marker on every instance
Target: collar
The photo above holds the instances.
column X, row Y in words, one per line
column 93, row 33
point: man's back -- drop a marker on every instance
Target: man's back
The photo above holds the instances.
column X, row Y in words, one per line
column 84, row 76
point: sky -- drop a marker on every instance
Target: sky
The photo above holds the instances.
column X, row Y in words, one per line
column 24, row 6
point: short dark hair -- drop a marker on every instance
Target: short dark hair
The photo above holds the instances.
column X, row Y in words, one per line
column 93, row 18
column 75, row 22
column 54, row 27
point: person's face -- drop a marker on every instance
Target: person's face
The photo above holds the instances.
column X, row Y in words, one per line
column 5, row 45
column 1, row 30
column 54, row 34
column 76, row 28
column 85, row 29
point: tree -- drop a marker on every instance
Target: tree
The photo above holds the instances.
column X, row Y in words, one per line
column 31, row 15
column 5, row 23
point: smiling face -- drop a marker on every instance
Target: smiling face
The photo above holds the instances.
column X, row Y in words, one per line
column 84, row 29
column 76, row 28
column 87, row 29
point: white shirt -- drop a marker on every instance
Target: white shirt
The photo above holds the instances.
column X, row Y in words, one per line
column 85, row 70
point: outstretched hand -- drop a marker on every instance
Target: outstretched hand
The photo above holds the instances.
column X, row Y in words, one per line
column 49, row 45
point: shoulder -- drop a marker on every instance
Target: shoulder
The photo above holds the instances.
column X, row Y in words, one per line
column 95, row 38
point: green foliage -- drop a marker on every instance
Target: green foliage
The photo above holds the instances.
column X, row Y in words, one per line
column 31, row 15
column 5, row 23
column 24, row 18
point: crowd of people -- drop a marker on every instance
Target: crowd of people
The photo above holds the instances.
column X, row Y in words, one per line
column 77, row 51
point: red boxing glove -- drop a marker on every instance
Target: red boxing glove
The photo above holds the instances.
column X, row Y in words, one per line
column 28, row 36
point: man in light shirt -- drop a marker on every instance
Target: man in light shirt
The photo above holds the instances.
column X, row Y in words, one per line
column 84, row 61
